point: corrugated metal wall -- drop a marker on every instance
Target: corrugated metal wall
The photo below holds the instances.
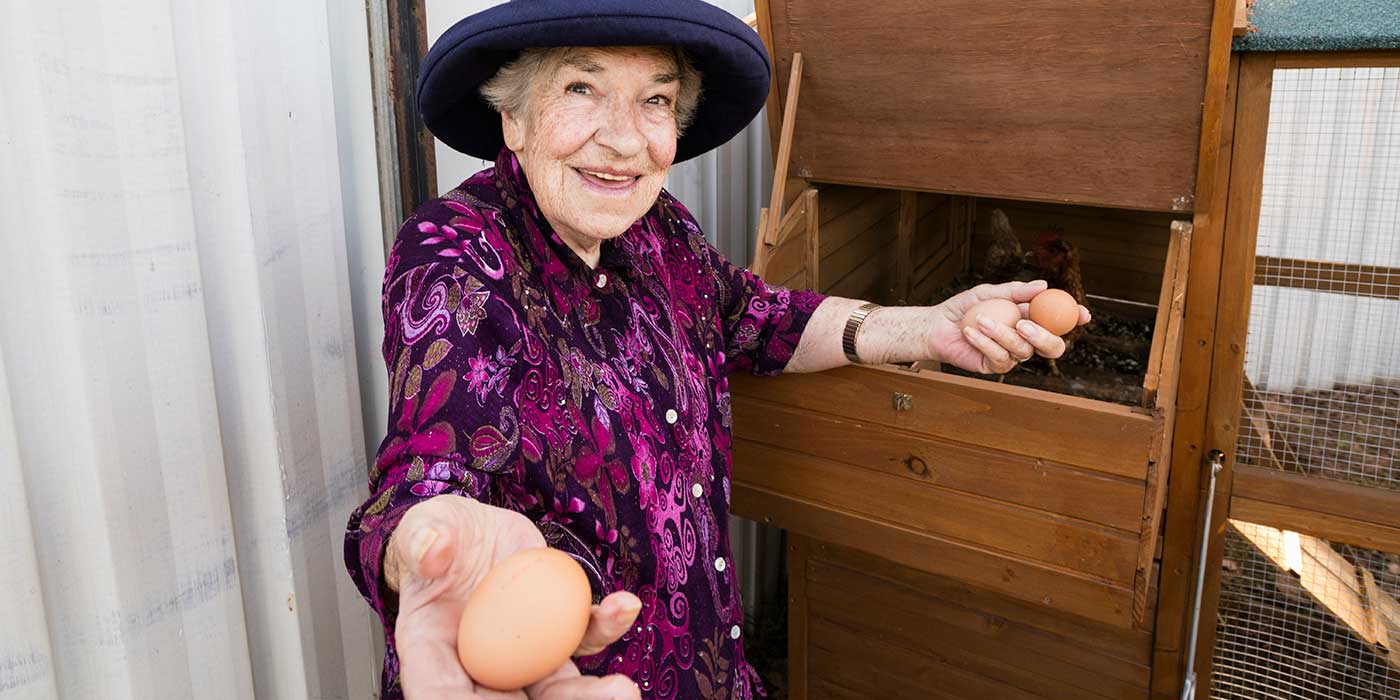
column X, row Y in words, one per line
column 188, row 207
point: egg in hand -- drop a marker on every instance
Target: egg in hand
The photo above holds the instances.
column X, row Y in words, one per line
column 525, row 619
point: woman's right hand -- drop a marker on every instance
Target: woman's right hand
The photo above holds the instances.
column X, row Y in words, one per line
column 438, row 554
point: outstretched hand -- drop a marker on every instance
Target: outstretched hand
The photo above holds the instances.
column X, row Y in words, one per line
column 992, row 347
column 437, row 556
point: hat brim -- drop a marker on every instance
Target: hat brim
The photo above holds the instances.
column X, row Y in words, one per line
column 728, row 53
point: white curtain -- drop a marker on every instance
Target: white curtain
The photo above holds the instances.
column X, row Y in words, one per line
column 1331, row 192
column 189, row 262
column 724, row 189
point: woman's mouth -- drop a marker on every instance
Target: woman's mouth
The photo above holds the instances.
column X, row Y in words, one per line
column 610, row 182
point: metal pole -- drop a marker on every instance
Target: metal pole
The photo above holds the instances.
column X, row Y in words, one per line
column 1188, row 690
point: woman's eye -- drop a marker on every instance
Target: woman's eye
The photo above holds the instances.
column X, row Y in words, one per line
column 577, row 88
column 659, row 100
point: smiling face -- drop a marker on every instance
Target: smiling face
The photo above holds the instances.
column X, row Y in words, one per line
column 596, row 140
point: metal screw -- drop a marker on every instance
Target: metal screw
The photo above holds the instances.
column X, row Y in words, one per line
column 903, row 402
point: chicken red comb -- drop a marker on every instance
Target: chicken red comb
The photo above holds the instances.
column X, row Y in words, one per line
column 1050, row 235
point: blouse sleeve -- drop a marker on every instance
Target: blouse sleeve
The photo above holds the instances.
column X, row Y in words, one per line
column 761, row 324
column 450, row 346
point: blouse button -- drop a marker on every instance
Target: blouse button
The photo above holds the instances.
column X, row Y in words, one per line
column 734, row 632
column 697, row 491
column 672, row 416
column 602, row 280
column 719, row 564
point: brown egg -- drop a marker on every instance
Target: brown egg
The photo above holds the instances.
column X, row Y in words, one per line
column 525, row 619
column 1003, row 310
column 1055, row 311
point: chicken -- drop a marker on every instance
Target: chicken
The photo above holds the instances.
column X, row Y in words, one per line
column 1057, row 261
column 1005, row 259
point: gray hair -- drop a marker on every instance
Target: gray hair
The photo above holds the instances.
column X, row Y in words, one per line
column 509, row 89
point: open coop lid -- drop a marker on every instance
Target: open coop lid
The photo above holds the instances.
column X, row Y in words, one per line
column 1084, row 101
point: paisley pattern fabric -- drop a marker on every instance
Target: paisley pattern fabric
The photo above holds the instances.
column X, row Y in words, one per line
column 594, row 401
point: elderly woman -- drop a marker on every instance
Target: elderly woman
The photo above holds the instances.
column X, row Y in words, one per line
column 558, row 336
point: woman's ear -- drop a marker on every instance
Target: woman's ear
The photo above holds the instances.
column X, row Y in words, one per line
column 514, row 131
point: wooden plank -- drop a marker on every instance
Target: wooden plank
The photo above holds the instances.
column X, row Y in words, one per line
column 1078, row 432
column 853, row 655
column 798, row 614
column 1184, row 487
column 1333, row 277
column 1159, row 326
column 865, row 249
column 851, row 212
column 408, row 43
column 780, row 163
column 814, row 258
column 1363, row 504
column 904, row 246
column 984, row 645
column 1132, row 647
column 1338, row 528
column 1057, row 589
column 789, row 256
column 1241, row 26
column 1014, row 531
column 870, row 281
column 1232, row 321
column 1093, row 497
column 1165, row 401
column 773, row 108
column 1040, row 115
column 841, row 199
column 1338, row 59
column 1380, row 627
column 751, row 19
column 1322, row 573
column 1170, row 367
column 759, row 265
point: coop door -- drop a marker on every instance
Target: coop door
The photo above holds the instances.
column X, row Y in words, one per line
column 1310, row 573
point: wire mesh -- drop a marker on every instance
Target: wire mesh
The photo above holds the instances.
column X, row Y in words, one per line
column 1322, row 384
column 1298, row 618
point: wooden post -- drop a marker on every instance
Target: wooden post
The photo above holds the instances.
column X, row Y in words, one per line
column 780, row 163
column 1184, row 498
column 797, row 617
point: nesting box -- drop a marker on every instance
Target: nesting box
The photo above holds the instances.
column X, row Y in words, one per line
column 912, row 123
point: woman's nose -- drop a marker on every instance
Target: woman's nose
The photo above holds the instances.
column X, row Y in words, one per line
column 620, row 130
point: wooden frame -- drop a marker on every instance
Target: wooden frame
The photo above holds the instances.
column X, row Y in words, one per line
column 1210, row 398
column 408, row 43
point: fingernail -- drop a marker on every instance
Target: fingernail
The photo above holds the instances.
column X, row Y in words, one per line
column 984, row 322
column 422, row 540
column 1026, row 327
column 629, row 607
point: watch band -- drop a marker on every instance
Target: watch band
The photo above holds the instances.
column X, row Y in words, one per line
column 853, row 324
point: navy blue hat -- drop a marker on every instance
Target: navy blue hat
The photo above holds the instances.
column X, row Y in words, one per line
column 728, row 53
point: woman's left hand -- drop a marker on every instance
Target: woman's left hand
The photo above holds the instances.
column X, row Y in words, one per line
column 992, row 347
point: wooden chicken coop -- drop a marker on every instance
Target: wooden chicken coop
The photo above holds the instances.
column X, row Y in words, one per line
column 956, row 536
column 1041, row 535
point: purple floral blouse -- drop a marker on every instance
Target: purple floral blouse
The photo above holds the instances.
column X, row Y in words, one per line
column 594, row 401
